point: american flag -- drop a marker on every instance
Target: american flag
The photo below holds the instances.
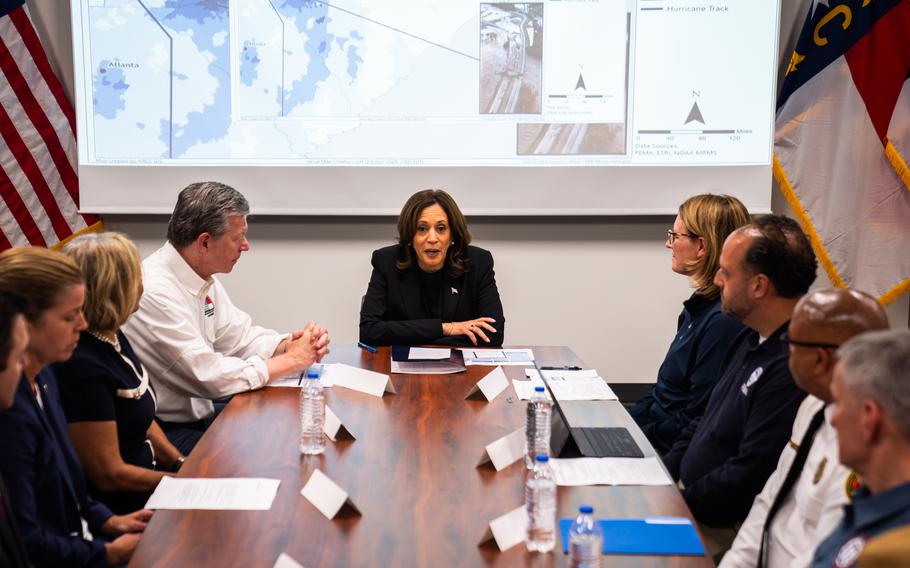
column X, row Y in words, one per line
column 39, row 184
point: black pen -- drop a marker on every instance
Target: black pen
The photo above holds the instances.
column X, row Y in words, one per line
column 300, row 380
column 562, row 368
column 363, row 345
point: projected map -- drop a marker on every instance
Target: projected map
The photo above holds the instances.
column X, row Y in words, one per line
column 351, row 82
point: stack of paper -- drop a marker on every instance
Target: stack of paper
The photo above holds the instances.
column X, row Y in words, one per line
column 239, row 493
column 498, row 357
column 426, row 360
column 568, row 385
column 609, row 471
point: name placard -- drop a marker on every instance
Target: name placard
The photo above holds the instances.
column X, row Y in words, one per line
column 334, row 428
column 507, row 530
column 505, row 451
column 327, row 496
column 490, row 386
column 355, row 378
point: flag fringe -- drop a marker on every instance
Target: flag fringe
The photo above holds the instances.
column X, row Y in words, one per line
column 898, row 163
column 95, row 227
column 790, row 195
column 787, row 189
column 895, row 293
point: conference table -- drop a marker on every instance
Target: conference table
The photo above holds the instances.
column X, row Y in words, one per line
column 411, row 471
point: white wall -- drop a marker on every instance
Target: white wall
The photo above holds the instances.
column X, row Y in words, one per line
column 602, row 286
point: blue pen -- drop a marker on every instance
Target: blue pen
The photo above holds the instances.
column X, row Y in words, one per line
column 367, row 347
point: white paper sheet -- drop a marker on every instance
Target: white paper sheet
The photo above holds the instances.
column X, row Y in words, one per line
column 609, row 471
column 575, row 385
column 524, row 389
column 239, row 493
column 498, row 356
column 294, row 380
column 428, row 353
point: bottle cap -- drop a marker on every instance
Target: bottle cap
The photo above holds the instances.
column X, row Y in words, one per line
column 539, row 389
column 312, row 375
column 544, row 458
column 586, row 509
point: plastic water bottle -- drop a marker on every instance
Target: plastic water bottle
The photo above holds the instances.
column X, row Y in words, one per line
column 585, row 540
column 312, row 415
column 540, row 503
column 537, row 426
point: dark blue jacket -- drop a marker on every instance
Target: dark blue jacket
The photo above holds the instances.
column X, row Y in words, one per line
column 46, row 482
column 866, row 517
column 724, row 458
column 689, row 371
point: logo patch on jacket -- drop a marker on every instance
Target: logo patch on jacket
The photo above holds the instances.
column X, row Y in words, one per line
column 751, row 380
column 208, row 307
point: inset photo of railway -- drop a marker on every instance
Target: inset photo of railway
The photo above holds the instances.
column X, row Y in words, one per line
column 571, row 139
column 511, row 53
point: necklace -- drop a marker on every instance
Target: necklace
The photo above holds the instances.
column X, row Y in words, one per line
column 115, row 343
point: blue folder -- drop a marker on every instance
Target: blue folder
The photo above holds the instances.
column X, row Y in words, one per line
column 654, row 535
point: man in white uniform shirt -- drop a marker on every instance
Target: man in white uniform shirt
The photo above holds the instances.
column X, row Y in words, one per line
column 196, row 344
column 808, row 510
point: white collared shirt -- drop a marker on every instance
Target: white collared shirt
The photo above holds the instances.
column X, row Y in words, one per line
column 196, row 344
column 812, row 509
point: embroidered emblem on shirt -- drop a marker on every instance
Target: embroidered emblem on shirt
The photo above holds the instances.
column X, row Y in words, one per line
column 819, row 471
column 849, row 552
column 208, row 307
column 851, row 485
column 454, row 291
column 751, row 380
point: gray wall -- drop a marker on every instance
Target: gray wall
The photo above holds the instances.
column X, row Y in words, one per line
column 602, row 286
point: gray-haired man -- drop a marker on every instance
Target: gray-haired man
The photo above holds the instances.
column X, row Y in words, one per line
column 872, row 419
column 196, row 344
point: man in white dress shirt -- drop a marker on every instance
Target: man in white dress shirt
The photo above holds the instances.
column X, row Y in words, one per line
column 808, row 510
column 196, row 344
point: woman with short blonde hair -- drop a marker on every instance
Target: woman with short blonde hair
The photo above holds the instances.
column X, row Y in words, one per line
column 109, row 404
column 703, row 334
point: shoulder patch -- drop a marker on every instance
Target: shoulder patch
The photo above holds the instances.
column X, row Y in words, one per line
column 849, row 552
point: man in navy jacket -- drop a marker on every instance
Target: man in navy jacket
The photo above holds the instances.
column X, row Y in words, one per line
column 723, row 459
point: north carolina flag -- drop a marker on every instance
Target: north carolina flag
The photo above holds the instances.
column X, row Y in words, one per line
column 842, row 136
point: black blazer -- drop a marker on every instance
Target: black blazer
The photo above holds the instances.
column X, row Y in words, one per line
column 392, row 311
column 45, row 481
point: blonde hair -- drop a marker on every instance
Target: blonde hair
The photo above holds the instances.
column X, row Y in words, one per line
column 113, row 272
column 713, row 218
column 38, row 275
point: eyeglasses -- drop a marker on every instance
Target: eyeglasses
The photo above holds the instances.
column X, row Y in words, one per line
column 671, row 236
column 785, row 338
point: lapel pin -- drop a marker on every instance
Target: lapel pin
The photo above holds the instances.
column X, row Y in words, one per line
column 454, row 291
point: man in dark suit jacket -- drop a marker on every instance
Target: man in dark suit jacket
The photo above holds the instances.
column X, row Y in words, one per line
column 13, row 341
column 398, row 307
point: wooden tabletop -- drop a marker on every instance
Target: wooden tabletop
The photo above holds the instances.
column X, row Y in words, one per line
column 411, row 472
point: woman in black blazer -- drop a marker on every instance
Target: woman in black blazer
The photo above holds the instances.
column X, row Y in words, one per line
column 432, row 287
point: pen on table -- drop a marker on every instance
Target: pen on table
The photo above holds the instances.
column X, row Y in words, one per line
column 363, row 345
column 300, row 379
column 562, row 368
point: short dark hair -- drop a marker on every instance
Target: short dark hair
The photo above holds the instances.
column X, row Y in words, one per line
column 204, row 207
column 781, row 251
column 11, row 305
column 458, row 227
